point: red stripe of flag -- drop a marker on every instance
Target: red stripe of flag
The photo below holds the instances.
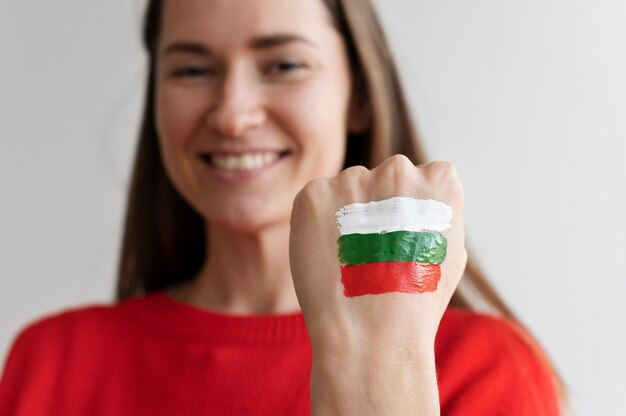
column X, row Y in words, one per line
column 384, row 277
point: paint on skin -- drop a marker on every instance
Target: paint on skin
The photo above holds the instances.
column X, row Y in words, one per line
column 423, row 247
column 385, row 277
column 398, row 213
column 393, row 245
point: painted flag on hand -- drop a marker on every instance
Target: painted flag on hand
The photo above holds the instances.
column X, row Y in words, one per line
column 394, row 245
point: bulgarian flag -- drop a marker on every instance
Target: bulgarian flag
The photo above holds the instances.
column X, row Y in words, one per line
column 393, row 245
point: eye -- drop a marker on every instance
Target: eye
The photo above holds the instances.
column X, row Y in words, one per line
column 286, row 66
column 192, row 72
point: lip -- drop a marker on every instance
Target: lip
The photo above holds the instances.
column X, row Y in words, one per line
column 237, row 152
column 233, row 176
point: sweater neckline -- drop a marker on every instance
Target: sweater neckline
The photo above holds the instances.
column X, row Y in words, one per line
column 179, row 319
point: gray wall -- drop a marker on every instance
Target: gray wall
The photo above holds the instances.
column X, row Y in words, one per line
column 528, row 99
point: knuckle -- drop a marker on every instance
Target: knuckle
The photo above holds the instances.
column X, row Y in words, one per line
column 352, row 179
column 354, row 171
column 441, row 170
column 316, row 187
column 399, row 160
column 395, row 176
column 441, row 166
column 445, row 174
column 398, row 166
column 312, row 191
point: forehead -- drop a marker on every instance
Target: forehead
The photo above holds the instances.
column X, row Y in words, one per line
column 230, row 23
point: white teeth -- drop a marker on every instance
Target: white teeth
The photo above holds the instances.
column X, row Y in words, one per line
column 230, row 162
column 243, row 162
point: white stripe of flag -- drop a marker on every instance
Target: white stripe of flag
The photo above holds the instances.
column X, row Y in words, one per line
column 398, row 213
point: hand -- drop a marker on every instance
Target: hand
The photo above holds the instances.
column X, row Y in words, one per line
column 375, row 338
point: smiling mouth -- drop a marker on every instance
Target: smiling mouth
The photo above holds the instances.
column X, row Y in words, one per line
column 243, row 162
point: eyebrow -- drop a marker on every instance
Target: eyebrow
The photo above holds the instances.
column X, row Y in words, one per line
column 261, row 42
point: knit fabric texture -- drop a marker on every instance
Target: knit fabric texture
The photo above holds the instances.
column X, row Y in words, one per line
column 157, row 356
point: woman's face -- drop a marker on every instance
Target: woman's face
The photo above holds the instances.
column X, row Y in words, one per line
column 252, row 103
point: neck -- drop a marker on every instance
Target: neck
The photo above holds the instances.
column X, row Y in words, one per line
column 244, row 273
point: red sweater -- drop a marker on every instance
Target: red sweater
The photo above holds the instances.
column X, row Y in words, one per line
column 157, row 356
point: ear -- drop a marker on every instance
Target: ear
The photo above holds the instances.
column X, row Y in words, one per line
column 359, row 112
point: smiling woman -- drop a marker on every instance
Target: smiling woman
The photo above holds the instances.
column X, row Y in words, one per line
column 237, row 292
column 240, row 86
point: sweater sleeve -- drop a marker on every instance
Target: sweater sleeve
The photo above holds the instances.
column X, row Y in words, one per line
column 492, row 367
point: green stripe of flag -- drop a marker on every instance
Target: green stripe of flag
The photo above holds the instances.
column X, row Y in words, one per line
column 420, row 247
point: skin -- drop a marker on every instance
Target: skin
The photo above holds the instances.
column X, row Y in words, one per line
column 371, row 354
column 241, row 98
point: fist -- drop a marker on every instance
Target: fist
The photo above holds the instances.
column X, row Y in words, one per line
column 383, row 305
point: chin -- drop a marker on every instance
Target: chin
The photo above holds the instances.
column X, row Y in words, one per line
column 246, row 222
column 248, row 212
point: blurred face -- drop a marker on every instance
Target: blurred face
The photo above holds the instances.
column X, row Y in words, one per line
column 252, row 103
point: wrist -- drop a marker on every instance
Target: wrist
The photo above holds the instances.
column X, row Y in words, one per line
column 376, row 380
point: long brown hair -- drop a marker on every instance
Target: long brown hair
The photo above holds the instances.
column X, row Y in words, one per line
column 164, row 238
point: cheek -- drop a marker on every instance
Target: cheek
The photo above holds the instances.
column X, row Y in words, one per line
column 315, row 115
column 329, row 125
column 178, row 115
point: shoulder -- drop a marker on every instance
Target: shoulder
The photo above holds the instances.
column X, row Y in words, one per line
column 52, row 336
column 485, row 361
column 66, row 321
column 63, row 320
column 51, row 333
column 59, row 351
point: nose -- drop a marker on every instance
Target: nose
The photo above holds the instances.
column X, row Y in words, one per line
column 237, row 107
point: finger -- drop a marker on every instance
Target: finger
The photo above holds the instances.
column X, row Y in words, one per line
column 396, row 176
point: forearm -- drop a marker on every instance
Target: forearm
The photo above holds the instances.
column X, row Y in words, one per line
column 375, row 382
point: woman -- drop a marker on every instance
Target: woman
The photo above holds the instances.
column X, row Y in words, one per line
column 252, row 113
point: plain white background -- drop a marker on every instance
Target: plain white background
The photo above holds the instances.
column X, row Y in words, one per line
column 528, row 99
